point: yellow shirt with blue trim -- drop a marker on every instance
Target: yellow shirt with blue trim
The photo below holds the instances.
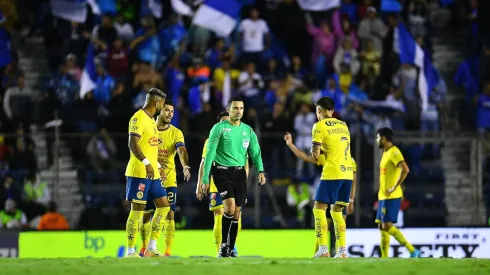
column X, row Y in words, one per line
column 390, row 173
column 169, row 140
column 333, row 137
column 212, row 187
column 143, row 126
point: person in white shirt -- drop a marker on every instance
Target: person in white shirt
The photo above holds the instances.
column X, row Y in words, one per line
column 250, row 83
column 124, row 29
column 303, row 122
column 253, row 32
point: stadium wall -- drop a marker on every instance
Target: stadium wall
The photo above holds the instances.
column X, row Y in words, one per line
column 433, row 242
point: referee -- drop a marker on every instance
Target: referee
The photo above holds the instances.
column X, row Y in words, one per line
column 229, row 143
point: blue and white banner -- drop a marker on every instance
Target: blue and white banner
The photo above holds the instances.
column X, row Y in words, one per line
column 89, row 74
column 411, row 53
column 220, row 16
column 155, row 7
column 182, row 8
column 391, row 6
column 73, row 10
column 5, row 51
column 318, row 5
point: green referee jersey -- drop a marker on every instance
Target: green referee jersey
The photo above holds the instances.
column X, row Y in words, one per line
column 229, row 145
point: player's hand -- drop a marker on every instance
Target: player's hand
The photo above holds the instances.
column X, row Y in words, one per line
column 350, row 208
column 187, row 173
column 199, row 191
column 390, row 190
column 149, row 172
column 205, row 189
column 163, row 176
column 262, row 179
column 288, row 138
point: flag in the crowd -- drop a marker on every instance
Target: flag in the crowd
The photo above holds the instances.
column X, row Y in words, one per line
column 89, row 74
column 182, row 8
column 73, row 10
column 391, row 6
column 155, row 7
column 318, row 5
column 411, row 53
column 220, row 16
column 5, row 53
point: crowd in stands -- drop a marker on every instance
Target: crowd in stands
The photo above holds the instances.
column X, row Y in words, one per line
column 280, row 59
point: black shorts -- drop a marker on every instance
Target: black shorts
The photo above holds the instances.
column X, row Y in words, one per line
column 231, row 182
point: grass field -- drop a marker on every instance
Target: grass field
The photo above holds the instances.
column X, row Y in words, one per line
column 237, row 266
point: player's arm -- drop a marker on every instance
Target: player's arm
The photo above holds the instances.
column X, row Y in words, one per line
column 199, row 180
column 317, row 138
column 183, row 156
column 256, row 156
column 213, row 141
column 247, row 167
column 398, row 160
column 136, row 129
column 297, row 152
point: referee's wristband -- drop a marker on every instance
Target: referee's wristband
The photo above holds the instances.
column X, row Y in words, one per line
column 146, row 162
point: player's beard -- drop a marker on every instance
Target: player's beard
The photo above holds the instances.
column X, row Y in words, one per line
column 380, row 145
column 236, row 117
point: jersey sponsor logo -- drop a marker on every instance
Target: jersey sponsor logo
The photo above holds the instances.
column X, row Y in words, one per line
column 246, row 143
column 134, row 120
column 160, row 141
column 223, row 194
column 139, row 195
column 153, row 141
column 141, row 187
column 163, row 152
column 344, row 168
column 333, row 123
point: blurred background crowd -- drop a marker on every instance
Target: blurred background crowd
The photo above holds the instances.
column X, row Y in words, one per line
column 280, row 58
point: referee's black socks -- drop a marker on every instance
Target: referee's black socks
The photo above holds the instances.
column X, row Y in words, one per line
column 226, row 228
column 233, row 233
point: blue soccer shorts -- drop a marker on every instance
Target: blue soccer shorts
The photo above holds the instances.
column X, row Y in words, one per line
column 172, row 200
column 334, row 192
column 388, row 210
column 140, row 190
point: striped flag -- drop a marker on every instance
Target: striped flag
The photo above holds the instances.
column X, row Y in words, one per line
column 89, row 74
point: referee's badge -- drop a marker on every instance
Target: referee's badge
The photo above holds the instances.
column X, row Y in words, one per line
column 246, row 143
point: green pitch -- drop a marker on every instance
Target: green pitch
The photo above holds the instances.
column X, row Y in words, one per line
column 212, row 266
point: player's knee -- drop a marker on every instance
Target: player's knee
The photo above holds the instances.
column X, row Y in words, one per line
column 230, row 209
column 146, row 217
column 170, row 215
column 386, row 226
column 337, row 208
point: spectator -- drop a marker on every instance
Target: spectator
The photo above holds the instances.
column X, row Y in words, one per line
column 102, row 150
column 372, row 28
column 105, row 31
column 8, row 191
column 171, row 36
column 199, row 94
column 17, row 100
column 104, row 86
column 124, row 30
column 418, row 15
column 36, row 196
column 370, row 59
column 483, row 109
column 11, row 217
column 347, row 56
column 118, row 116
column 297, row 69
column 323, row 40
column 198, row 70
column 147, row 43
column 272, row 72
column 146, row 75
column 349, row 9
column 53, row 220
column 298, row 196
column 72, row 67
column 118, row 60
column 5, row 151
column 303, row 123
column 216, row 55
column 343, row 28
column 75, row 40
column 224, row 77
column 406, row 78
column 250, row 84
column 23, row 156
column 252, row 32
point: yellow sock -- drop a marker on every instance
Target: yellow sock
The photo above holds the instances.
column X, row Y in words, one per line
column 397, row 234
column 385, row 243
column 218, row 221
column 321, row 227
column 239, row 229
column 169, row 228
column 339, row 225
column 132, row 225
column 145, row 229
column 316, row 245
column 157, row 222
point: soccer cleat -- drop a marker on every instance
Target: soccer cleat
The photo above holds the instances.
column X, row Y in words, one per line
column 224, row 251
column 235, row 251
column 415, row 254
column 321, row 254
column 142, row 252
column 153, row 253
column 132, row 255
column 341, row 255
column 167, row 255
column 232, row 254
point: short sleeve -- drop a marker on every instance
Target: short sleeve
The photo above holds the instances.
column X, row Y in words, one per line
column 179, row 139
column 136, row 126
column 317, row 134
column 241, row 27
column 265, row 28
column 396, row 157
column 204, row 149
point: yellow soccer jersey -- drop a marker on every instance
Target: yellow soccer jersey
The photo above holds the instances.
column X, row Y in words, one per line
column 334, row 138
column 389, row 173
column 212, row 187
column 321, row 162
column 168, row 142
column 143, row 126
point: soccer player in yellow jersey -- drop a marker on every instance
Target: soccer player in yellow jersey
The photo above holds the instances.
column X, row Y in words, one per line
column 331, row 136
column 393, row 170
column 215, row 202
column 321, row 162
column 170, row 143
column 143, row 174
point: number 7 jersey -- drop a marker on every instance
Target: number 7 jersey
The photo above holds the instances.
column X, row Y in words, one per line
column 333, row 137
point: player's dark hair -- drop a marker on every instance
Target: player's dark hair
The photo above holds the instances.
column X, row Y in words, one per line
column 222, row 114
column 156, row 91
column 387, row 133
column 169, row 102
column 232, row 99
column 325, row 103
